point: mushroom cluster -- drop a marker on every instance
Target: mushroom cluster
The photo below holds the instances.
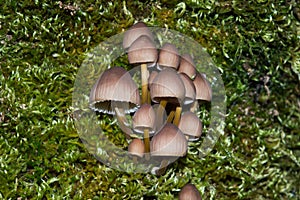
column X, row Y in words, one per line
column 163, row 113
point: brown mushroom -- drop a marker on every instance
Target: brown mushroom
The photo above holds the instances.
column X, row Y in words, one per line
column 203, row 90
column 115, row 93
column 189, row 192
column 167, row 87
column 134, row 32
column 136, row 148
column 187, row 66
column 143, row 121
column 190, row 90
column 168, row 57
column 143, row 51
column 190, row 125
column 167, row 145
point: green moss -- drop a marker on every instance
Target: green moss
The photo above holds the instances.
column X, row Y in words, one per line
column 255, row 45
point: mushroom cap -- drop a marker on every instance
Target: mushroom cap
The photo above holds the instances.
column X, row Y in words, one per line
column 168, row 57
column 134, row 32
column 203, row 89
column 136, row 147
column 142, row 50
column 190, row 125
column 190, row 90
column 167, row 85
column 187, row 66
column 189, row 192
column 114, row 88
column 168, row 142
column 144, row 118
column 152, row 76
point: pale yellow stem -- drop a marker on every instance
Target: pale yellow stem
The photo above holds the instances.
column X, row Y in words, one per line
column 144, row 75
column 171, row 116
column 177, row 116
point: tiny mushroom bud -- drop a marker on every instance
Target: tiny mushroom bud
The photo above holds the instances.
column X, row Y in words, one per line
column 136, row 148
column 189, row 192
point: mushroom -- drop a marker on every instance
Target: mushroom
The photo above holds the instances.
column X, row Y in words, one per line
column 136, row 148
column 168, row 57
column 187, row 66
column 134, row 32
column 190, row 125
column 190, row 90
column 189, row 192
column 203, row 90
column 168, row 144
column 167, row 87
column 115, row 93
column 143, row 51
column 143, row 121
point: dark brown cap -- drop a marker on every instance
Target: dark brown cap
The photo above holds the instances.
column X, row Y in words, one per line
column 144, row 118
column 189, row 192
column 190, row 125
column 203, row 89
column 168, row 57
column 187, row 66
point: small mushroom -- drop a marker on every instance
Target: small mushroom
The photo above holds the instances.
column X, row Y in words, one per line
column 190, row 125
column 168, row 144
column 189, row 192
column 190, row 90
column 134, row 32
column 167, row 87
column 143, row 121
column 115, row 93
column 187, row 66
column 136, row 148
column 203, row 90
column 143, row 51
column 168, row 57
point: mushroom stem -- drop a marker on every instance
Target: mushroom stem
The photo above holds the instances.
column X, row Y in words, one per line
column 121, row 118
column 171, row 116
column 134, row 159
column 162, row 168
column 144, row 76
column 177, row 116
column 160, row 112
column 147, row 143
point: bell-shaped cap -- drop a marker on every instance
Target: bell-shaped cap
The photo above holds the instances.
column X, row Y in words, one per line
column 189, row 192
column 190, row 125
column 114, row 88
column 142, row 50
column 168, row 86
column 152, row 76
column 190, row 90
column 134, row 32
column 187, row 66
column 168, row 57
column 144, row 118
column 203, row 89
column 168, row 142
column 136, row 147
